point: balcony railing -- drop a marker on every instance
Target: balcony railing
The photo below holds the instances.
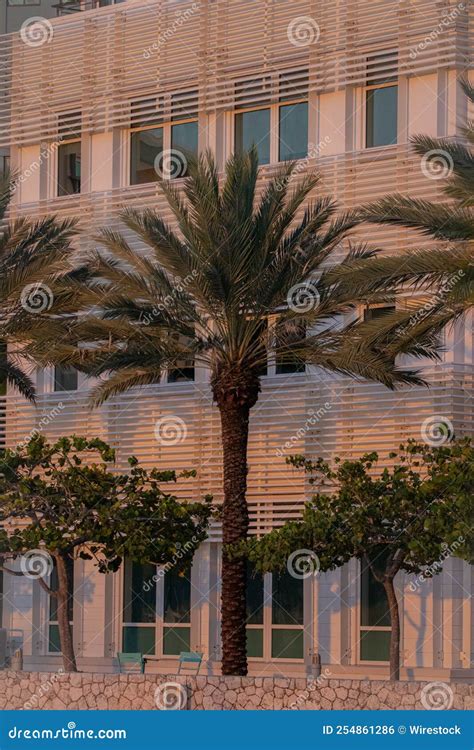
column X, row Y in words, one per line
column 63, row 7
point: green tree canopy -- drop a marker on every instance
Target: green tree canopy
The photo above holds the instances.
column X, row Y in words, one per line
column 61, row 501
column 394, row 519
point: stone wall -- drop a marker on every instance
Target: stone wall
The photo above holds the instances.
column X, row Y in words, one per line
column 47, row 690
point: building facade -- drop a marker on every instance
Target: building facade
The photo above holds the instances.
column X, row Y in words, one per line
column 113, row 97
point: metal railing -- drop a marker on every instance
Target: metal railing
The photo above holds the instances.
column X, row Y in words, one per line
column 63, row 7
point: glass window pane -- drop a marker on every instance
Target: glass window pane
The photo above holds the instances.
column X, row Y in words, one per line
column 184, row 141
column 53, row 640
column 176, row 640
column 382, row 110
column 287, row 644
column 253, row 128
column 139, row 592
column 374, row 605
column 145, row 147
column 177, row 596
column 375, row 313
column 287, row 599
column 375, row 645
column 139, row 640
column 293, row 131
column 3, row 360
column 184, row 371
column 65, row 378
column 287, row 333
column 254, row 597
column 254, row 643
column 69, row 169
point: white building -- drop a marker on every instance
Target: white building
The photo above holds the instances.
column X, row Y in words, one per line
column 340, row 86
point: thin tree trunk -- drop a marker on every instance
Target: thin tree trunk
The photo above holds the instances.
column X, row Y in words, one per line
column 395, row 624
column 64, row 626
column 235, row 522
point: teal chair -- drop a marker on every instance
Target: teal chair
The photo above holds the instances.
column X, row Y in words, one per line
column 127, row 660
column 190, row 660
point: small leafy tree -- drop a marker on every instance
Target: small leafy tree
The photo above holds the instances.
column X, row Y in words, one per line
column 400, row 519
column 54, row 507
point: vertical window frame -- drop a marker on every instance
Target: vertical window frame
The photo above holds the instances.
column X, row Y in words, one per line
column 385, row 81
column 362, row 629
column 159, row 623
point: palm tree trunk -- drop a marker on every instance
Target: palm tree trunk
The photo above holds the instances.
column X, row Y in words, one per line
column 64, row 626
column 395, row 635
column 235, row 428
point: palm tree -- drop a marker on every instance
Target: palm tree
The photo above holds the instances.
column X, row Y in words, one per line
column 242, row 277
column 447, row 272
column 30, row 254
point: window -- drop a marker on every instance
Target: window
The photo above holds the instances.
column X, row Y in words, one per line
column 253, row 129
column 164, row 137
column 293, row 130
column 279, row 131
column 139, row 607
column 4, row 164
column 377, row 312
column 374, row 619
column 177, row 612
column 69, row 168
column 185, row 367
column 53, row 630
column 65, row 378
column 3, row 360
column 381, row 101
column 146, row 155
column 69, row 153
column 148, row 592
column 288, row 333
column 287, row 616
column 255, row 613
column 275, row 616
